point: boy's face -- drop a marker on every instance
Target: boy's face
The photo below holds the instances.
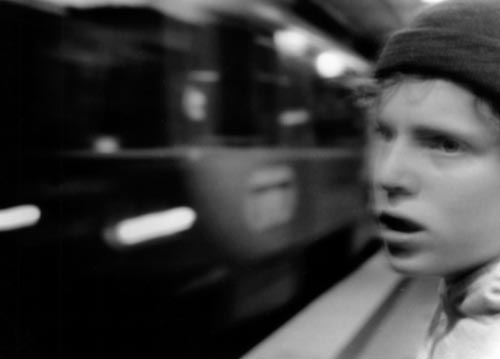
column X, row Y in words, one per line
column 435, row 172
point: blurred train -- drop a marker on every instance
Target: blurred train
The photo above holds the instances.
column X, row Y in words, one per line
column 172, row 171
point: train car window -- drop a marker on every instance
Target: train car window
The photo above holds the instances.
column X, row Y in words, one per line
column 118, row 71
column 318, row 94
column 338, row 117
column 237, row 96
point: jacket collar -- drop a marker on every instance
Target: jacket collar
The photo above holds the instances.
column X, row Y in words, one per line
column 473, row 295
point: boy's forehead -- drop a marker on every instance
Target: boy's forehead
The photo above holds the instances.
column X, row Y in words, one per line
column 436, row 104
column 415, row 90
column 424, row 95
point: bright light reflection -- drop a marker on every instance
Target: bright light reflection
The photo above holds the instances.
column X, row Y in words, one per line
column 19, row 217
column 291, row 41
column 330, row 64
column 106, row 144
column 154, row 225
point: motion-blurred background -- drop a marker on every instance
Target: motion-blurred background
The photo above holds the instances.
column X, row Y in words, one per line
column 179, row 176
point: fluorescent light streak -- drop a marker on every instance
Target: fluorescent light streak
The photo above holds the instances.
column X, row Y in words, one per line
column 153, row 225
column 19, row 217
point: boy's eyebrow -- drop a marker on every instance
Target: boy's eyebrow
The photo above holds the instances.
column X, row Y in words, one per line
column 447, row 132
column 432, row 131
column 425, row 130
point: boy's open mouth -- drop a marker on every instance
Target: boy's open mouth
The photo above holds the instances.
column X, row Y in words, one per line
column 399, row 224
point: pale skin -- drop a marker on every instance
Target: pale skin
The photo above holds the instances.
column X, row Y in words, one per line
column 435, row 164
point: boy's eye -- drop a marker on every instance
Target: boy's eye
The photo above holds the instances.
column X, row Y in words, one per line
column 450, row 146
column 444, row 144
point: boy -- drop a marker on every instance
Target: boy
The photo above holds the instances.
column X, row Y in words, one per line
column 435, row 168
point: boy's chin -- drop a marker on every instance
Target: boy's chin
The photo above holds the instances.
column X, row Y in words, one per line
column 408, row 266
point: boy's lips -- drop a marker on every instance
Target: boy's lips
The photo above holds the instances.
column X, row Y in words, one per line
column 397, row 223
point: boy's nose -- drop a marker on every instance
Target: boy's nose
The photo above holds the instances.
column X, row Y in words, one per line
column 395, row 176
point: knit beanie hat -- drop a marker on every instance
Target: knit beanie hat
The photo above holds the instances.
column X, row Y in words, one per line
column 457, row 40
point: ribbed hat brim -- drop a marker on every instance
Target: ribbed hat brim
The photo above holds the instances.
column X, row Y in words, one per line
column 467, row 58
